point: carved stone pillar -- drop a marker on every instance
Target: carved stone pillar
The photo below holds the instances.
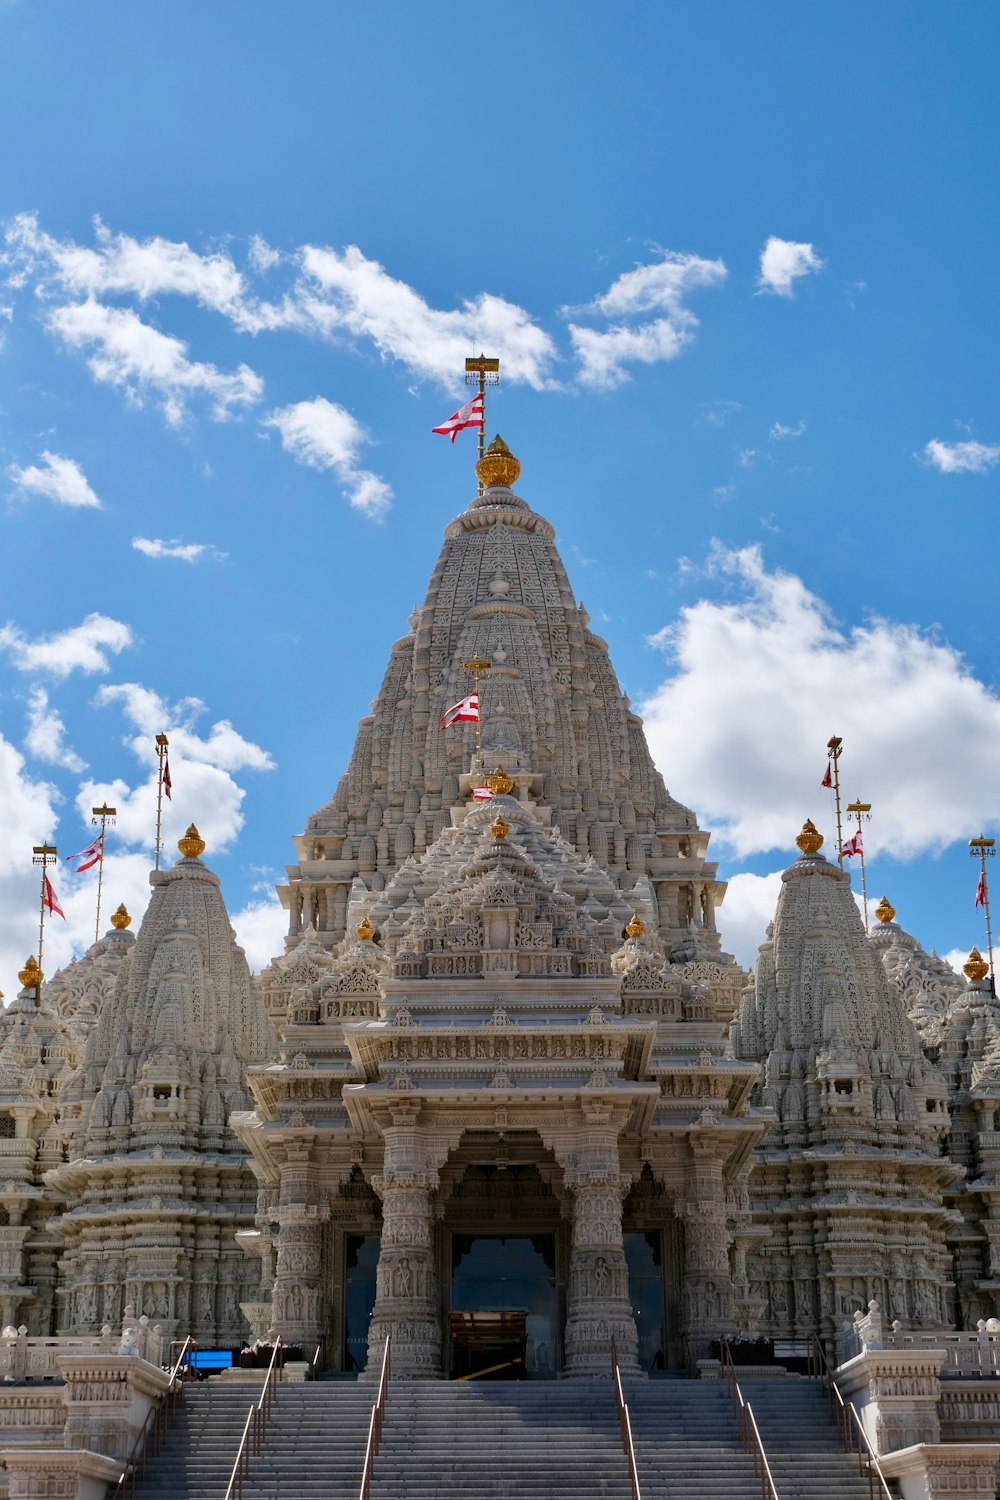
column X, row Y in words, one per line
column 708, row 1300
column 598, row 1310
column 406, row 1300
column 297, row 1294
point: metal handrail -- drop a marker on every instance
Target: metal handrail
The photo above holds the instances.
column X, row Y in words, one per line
column 852, row 1432
column 376, row 1421
column 747, row 1423
column 252, row 1441
column 147, row 1444
column 625, row 1424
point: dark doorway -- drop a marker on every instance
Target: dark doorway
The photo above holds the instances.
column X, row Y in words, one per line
column 512, row 1274
column 644, row 1258
column 361, row 1252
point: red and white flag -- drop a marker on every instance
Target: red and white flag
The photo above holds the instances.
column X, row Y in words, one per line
column 469, row 415
column 981, row 891
column 852, row 845
column 49, row 899
column 482, row 793
column 90, row 856
column 465, row 711
column 828, row 774
column 167, row 783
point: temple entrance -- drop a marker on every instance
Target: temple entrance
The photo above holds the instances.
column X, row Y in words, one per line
column 654, row 1253
column 503, row 1319
column 361, row 1252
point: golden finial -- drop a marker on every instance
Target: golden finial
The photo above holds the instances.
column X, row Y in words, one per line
column 120, row 919
column 635, row 928
column 810, row 840
column 365, row 931
column 885, row 911
column 192, row 844
column 499, row 828
column 975, row 967
column 31, row 975
column 498, row 466
column 500, row 783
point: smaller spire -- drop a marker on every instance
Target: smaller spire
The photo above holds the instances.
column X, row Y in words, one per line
column 500, row 783
column 499, row 828
column 31, row 975
column 885, row 911
column 498, row 467
column 365, row 931
column 120, row 919
column 975, row 967
column 635, row 928
column 810, row 840
column 192, row 844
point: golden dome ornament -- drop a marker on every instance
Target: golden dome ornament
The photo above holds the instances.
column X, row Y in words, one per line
column 120, row 919
column 31, row 975
column 365, row 931
column 810, row 840
column 635, row 928
column 885, row 911
column 499, row 782
column 192, row 844
column 499, row 828
column 498, row 468
column 975, row 967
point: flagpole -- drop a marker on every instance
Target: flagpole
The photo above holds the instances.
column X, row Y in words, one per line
column 862, row 810
column 477, row 665
column 161, row 751
column 834, row 746
column 42, row 854
column 103, row 815
column 486, row 372
column 984, row 847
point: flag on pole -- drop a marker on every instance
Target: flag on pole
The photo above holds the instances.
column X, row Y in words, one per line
column 469, row 415
column 465, row 711
column 828, row 774
column 167, row 783
column 852, row 845
column 90, row 856
column 981, row 891
column 50, row 899
column 482, row 793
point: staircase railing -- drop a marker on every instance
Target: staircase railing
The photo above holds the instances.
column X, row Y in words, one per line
column 255, row 1426
column 375, row 1424
column 747, row 1423
column 625, row 1424
column 852, row 1430
column 147, row 1445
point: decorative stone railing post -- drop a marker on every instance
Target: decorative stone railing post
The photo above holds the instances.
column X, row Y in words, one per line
column 708, row 1302
column 406, row 1303
column 598, row 1310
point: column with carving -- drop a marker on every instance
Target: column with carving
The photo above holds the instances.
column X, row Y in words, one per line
column 598, row 1310
column 297, row 1294
column 406, row 1300
column 708, row 1300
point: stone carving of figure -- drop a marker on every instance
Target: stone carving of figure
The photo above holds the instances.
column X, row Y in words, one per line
column 293, row 1303
column 88, row 1305
column 601, row 1276
column 402, row 1278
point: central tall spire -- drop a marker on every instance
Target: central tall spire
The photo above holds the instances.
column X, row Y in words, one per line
column 552, row 711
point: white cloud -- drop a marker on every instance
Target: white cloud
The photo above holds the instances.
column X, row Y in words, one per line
column 262, row 256
column 30, row 818
column 961, row 458
column 746, row 458
column 45, row 739
column 260, row 929
column 182, row 551
column 783, row 262
column 137, row 358
column 717, row 413
column 789, row 676
column 325, row 436
column 779, row 431
column 660, row 288
column 59, row 479
column 346, row 293
column 82, row 648
column 748, row 907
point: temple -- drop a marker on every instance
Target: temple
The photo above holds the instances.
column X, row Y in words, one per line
column 504, row 1099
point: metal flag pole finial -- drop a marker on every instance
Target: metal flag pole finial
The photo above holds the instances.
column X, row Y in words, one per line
column 102, row 815
column 834, row 747
column 863, row 812
column 477, row 665
column 44, row 855
column 982, row 849
column 482, row 371
column 161, row 753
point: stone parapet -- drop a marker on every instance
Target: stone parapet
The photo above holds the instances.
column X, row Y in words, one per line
column 896, row 1392
column 944, row 1471
column 58, row 1474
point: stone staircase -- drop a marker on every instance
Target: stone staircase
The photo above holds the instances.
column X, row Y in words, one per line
column 553, row 1440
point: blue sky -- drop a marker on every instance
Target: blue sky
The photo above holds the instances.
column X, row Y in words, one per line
column 739, row 265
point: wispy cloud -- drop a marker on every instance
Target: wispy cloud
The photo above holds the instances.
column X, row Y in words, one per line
column 82, row 648
column 323, row 435
column 779, row 431
column 57, row 478
column 181, row 551
column 46, row 736
column 961, row 458
column 717, row 413
column 137, row 358
column 783, row 262
column 659, row 288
